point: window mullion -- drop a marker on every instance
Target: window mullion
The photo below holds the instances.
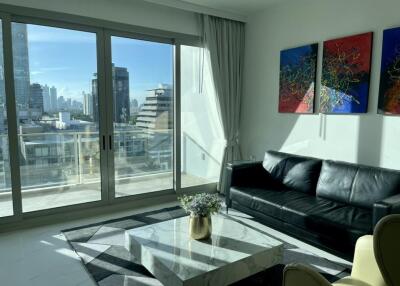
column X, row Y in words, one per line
column 11, row 116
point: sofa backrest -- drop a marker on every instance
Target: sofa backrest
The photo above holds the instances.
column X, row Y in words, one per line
column 356, row 185
column 295, row 172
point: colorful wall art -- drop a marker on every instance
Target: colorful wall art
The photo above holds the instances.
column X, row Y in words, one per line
column 345, row 79
column 297, row 79
column 389, row 88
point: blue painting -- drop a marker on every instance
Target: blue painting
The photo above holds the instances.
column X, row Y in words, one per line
column 389, row 88
column 297, row 79
column 346, row 66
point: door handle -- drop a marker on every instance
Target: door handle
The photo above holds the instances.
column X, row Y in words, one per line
column 104, row 142
column 110, row 142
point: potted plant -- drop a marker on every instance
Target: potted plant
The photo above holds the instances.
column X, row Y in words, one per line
column 200, row 207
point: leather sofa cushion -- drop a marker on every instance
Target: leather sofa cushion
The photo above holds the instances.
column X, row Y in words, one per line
column 336, row 180
column 342, row 223
column 298, row 212
column 347, row 217
column 356, row 185
column 294, row 172
column 266, row 201
column 372, row 185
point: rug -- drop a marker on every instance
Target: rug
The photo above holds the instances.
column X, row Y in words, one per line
column 101, row 248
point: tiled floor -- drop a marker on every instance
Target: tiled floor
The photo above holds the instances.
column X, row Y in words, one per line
column 41, row 256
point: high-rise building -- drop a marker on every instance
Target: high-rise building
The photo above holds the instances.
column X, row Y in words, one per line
column 87, row 104
column 46, row 98
column 121, row 94
column 21, row 65
column 156, row 112
column 36, row 101
column 134, row 106
column 53, row 99
column 68, row 104
column 155, row 117
column 121, row 103
column 95, row 98
column 76, row 105
column 61, row 103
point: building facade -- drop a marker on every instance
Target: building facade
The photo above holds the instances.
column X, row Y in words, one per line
column 53, row 99
column 121, row 94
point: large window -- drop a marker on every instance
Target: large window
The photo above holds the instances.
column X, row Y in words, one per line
column 142, row 77
column 90, row 115
column 57, row 118
column 6, row 206
column 202, row 139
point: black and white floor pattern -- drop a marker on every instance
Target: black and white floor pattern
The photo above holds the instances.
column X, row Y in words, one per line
column 101, row 249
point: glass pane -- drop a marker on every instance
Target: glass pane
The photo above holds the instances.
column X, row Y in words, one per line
column 143, row 116
column 202, row 139
column 6, row 207
column 57, row 128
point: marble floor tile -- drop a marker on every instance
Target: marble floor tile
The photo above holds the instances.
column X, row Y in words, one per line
column 41, row 256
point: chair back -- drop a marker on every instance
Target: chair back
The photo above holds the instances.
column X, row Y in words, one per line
column 387, row 248
column 301, row 275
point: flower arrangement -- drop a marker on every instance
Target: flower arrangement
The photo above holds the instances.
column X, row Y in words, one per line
column 203, row 204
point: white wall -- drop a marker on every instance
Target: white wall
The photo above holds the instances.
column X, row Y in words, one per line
column 369, row 139
column 134, row 12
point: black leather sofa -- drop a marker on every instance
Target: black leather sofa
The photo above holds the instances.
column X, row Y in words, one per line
column 328, row 203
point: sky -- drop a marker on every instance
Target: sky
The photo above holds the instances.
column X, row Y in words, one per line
column 66, row 59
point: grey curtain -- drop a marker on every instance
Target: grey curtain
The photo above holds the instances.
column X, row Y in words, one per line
column 224, row 41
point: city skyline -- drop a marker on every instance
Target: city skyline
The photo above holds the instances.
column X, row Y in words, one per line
column 65, row 59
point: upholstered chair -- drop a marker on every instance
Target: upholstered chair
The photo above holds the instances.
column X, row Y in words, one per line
column 375, row 263
column 387, row 248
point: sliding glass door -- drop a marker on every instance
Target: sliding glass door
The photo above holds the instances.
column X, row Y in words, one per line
column 57, row 116
column 89, row 115
column 142, row 115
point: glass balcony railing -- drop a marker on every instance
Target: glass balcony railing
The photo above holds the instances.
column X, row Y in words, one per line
column 59, row 159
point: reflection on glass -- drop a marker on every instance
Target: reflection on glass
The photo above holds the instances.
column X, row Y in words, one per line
column 143, row 116
column 6, row 207
column 202, row 139
column 58, row 130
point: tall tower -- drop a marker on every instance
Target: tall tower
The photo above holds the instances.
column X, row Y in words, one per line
column 21, row 65
column 95, row 99
column 46, row 98
column 87, row 104
column 53, row 99
column 36, row 101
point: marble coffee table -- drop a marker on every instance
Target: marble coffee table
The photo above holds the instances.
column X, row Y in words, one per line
column 234, row 252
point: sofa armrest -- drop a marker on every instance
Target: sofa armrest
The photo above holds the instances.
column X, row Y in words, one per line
column 245, row 174
column 390, row 205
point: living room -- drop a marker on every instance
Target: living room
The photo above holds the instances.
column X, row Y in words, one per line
column 198, row 142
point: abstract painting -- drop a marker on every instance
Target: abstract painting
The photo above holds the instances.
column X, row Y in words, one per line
column 346, row 66
column 297, row 79
column 389, row 89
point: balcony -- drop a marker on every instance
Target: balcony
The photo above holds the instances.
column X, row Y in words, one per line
column 63, row 168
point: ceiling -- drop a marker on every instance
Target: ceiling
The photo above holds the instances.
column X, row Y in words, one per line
column 234, row 9
column 242, row 7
